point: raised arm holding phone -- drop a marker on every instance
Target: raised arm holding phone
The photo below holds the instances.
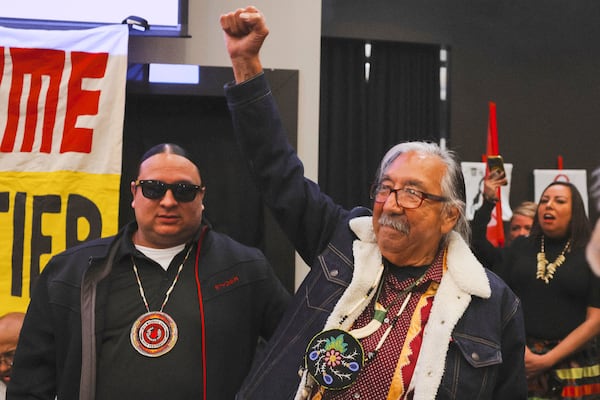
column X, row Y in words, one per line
column 519, row 225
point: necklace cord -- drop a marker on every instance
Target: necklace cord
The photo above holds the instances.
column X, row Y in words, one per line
column 406, row 299
column 380, row 312
column 140, row 287
column 169, row 290
column 393, row 323
column 409, row 289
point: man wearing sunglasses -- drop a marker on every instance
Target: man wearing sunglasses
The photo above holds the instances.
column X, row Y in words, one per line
column 395, row 305
column 166, row 309
column 10, row 326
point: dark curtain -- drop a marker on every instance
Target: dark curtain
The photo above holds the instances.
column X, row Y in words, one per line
column 361, row 119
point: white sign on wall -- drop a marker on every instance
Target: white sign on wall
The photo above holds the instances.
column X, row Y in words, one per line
column 474, row 173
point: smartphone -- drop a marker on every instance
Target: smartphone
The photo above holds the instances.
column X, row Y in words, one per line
column 495, row 163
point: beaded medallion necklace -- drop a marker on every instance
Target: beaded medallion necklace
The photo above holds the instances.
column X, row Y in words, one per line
column 155, row 333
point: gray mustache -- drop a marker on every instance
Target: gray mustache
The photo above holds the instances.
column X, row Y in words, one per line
column 398, row 223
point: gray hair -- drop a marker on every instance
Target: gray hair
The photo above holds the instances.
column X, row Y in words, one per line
column 452, row 184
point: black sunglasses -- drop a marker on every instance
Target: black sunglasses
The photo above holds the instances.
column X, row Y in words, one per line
column 183, row 192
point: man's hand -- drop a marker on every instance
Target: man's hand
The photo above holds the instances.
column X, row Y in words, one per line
column 245, row 31
column 491, row 185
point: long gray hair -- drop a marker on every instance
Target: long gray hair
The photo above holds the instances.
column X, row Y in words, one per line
column 452, row 184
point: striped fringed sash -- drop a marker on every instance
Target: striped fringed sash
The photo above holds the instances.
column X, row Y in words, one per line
column 575, row 378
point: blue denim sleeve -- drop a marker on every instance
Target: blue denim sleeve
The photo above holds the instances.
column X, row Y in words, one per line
column 306, row 215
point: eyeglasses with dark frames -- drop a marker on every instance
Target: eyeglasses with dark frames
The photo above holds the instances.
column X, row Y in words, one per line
column 7, row 358
column 154, row 190
column 405, row 197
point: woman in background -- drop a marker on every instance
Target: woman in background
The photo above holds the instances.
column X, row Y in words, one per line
column 519, row 225
column 560, row 296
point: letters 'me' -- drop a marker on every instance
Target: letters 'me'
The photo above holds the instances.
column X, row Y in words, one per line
column 45, row 70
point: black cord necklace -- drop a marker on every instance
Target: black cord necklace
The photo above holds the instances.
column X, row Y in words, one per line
column 380, row 314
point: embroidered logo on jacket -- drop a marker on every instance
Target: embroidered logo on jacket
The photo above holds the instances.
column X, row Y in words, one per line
column 227, row 283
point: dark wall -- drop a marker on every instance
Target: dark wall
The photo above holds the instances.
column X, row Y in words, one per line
column 539, row 60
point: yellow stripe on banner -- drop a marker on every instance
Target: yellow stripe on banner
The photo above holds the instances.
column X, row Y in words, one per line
column 579, row 373
column 43, row 213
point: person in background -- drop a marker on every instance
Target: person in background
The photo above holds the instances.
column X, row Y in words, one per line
column 10, row 327
column 166, row 309
column 519, row 225
column 395, row 304
column 561, row 298
column 593, row 247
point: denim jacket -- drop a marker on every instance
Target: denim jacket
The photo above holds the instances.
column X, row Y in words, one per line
column 59, row 346
column 474, row 341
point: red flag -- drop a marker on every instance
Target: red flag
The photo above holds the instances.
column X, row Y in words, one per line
column 495, row 230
